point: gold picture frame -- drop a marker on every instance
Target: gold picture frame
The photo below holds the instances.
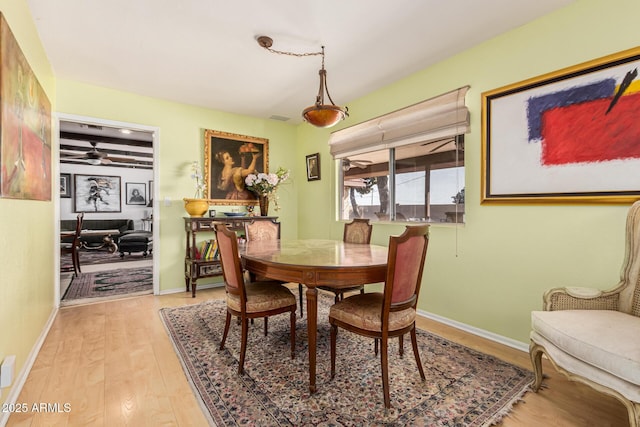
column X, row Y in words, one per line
column 228, row 159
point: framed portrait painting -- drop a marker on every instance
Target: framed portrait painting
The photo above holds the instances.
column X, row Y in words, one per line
column 228, row 159
column 313, row 167
column 65, row 185
column 136, row 193
column 96, row 193
column 571, row 136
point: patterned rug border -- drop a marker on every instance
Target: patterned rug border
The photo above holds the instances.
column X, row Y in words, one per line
column 492, row 413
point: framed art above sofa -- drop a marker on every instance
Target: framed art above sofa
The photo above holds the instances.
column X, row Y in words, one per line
column 96, row 193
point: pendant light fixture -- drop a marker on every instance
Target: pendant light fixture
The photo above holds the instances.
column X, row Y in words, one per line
column 319, row 114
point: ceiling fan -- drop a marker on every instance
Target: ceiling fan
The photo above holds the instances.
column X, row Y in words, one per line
column 95, row 157
column 348, row 164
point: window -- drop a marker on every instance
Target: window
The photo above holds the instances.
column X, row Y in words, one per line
column 424, row 183
column 407, row 165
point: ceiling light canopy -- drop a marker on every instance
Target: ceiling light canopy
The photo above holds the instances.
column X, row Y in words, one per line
column 319, row 114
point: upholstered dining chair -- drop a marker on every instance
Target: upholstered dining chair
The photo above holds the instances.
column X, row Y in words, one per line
column 250, row 300
column 73, row 247
column 391, row 313
column 267, row 229
column 357, row 231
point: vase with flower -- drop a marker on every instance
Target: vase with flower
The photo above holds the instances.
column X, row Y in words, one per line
column 196, row 206
column 264, row 186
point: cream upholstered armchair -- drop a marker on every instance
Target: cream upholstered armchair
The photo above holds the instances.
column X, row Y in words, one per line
column 593, row 336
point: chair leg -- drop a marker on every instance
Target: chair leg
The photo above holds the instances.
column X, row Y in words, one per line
column 243, row 344
column 337, row 298
column 78, row 260
column 266, row 325
column 414, row 344
column 535, row 352
column 75, row 260
column 334, row 335
column 375, row 346
column 293, row 334
column 401, row 345
column 384, row 361
column 301, row 305
column 226, row 330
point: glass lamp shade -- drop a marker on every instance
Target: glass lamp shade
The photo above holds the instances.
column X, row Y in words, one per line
column 94, row 162
column 323, row 116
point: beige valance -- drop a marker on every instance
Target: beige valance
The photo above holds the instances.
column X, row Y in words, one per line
column 443, row 116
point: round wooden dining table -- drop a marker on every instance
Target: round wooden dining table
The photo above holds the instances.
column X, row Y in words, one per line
column 315, row 262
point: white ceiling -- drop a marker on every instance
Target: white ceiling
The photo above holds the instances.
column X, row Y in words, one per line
column 204, row 53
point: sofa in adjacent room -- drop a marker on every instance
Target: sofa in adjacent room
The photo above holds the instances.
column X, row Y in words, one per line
column 97, row 239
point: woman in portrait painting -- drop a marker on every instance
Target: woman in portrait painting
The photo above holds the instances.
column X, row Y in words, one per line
column 136, row 197
column 232, row 177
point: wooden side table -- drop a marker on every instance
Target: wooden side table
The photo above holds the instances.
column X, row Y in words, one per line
column 198, row 268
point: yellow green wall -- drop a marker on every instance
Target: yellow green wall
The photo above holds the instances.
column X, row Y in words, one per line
column 491, row 272
column 26, row 227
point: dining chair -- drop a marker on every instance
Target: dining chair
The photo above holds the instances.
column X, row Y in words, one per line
column 357, row 231
column 267, row 230
column 391, row 313
column 73, row 247
column 252, row 299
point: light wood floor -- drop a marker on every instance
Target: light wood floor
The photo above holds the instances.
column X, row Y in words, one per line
column 113, row 363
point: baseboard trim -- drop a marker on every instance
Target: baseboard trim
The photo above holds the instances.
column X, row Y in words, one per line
column 178, row 290
column 12, row 397
column 518, row 345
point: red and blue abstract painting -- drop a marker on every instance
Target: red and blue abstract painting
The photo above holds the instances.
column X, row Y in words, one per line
column 571, row 133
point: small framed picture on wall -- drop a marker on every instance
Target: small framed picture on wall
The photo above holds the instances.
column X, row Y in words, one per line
column 65, row 185
column 136, row 193
column 313, row 167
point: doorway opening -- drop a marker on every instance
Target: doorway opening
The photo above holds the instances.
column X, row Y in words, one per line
column 107, row 175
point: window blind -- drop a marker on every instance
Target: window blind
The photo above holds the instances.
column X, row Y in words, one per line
column 440, row 117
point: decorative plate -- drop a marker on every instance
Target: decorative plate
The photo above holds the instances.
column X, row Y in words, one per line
column 235, row 213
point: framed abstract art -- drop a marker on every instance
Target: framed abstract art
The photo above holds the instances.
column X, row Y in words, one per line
column 25, row 125
column 571, row 136
column 96, row 193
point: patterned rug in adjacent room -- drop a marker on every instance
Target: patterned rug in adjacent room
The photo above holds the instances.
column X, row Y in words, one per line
column 463, row 387
column 110, row 283
column 93, row 257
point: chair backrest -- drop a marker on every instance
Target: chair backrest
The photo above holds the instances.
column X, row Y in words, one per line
column 405, row 264
column 76, row 236
column 230, row 261
column 629, row 301
column 263, row 229
column 358, row 231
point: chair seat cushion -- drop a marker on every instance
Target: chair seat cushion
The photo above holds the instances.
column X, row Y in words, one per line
column 263, row 296
column 602, row 338
column 364, row 311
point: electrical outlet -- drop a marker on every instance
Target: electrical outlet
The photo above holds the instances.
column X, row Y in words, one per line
column 7, row 371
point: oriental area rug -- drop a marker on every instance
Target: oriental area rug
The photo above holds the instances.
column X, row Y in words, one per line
column 108, row 284
column 463, row 387
column 94, row 257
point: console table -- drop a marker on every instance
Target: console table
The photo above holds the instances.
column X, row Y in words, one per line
column 195, row 269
